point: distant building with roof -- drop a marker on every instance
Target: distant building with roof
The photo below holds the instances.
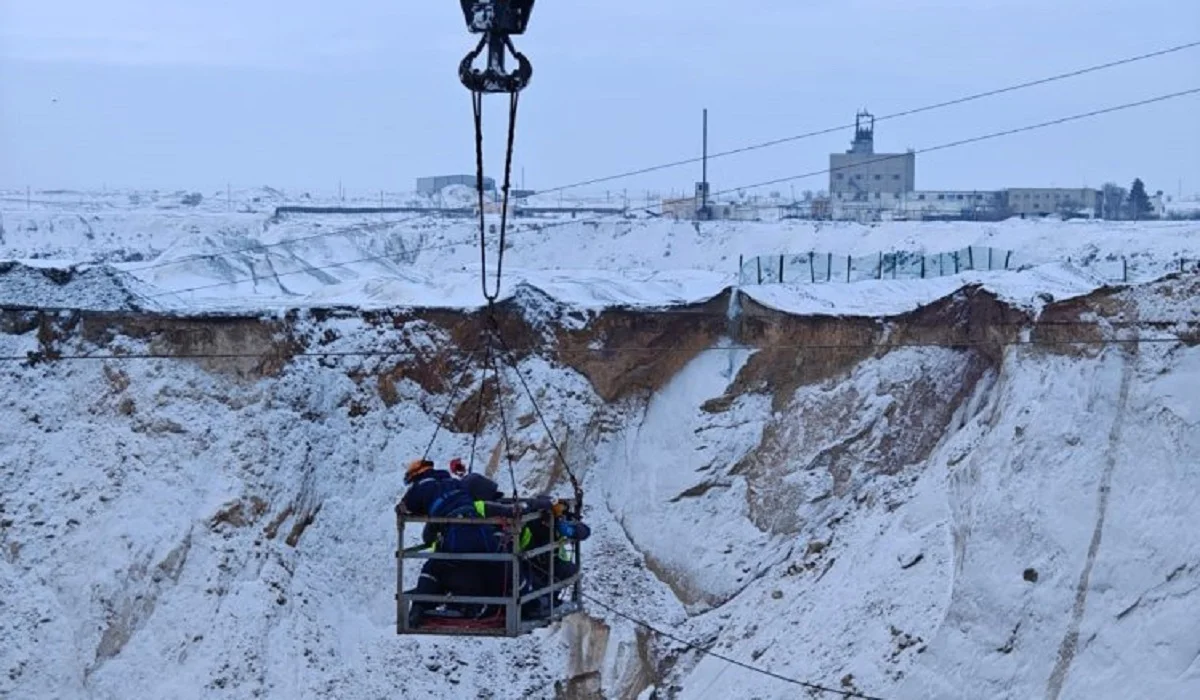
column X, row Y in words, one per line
column 860, row 174
column 432, row 185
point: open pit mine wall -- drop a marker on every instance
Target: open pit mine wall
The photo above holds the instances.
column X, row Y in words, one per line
column 624, row 354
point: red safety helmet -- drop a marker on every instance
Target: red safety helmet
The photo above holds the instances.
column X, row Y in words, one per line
column 457, row 468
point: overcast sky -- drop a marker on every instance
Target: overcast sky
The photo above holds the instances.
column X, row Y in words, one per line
column 302, row 94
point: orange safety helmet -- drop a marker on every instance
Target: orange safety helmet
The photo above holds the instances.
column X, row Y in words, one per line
column 416, row 468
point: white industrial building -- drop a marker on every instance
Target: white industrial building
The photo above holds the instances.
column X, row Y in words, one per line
column 860, row 172
column 1040, row 201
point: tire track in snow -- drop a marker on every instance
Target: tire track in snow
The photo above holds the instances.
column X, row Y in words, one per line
column 1070, row 642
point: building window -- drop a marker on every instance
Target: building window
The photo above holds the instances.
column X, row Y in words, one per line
column 841, row 176
column 895, row 177
column 921, row 197
column 941, row 196
column 878, row 177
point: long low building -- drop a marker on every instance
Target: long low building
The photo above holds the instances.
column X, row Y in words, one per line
column 1040, row 201
column 967, row 204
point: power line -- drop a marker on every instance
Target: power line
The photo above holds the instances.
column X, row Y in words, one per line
column 814, row 173
column 894, row 115
column 928, row 149
column 743, row 149
column 949, row 344
column 976, row 139
column 729, row 659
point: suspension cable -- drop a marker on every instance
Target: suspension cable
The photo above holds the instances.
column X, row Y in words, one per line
column 708, row 651
column 487, row 361
column 512, row 472
column 508, row 156
column 492, row 292
column 477, row 110
column 512, row 362
column 449, row 404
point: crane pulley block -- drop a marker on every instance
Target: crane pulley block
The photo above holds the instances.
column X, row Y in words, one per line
column 507, row 16
column 497, row 21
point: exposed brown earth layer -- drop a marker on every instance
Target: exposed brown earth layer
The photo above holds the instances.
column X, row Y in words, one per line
column 622, row 352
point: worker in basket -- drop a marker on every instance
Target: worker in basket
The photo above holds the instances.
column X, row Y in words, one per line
column 434, row 492
column 566, row 526
column 563, row 526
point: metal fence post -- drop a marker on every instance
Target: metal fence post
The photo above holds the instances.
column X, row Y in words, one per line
column 828, row 267
column 1124, row 269
column 812, row 270
column 781, row 269
column 401, row 613
column 513, row 618
column 847, row 269
column 740, row 263
column 553, row 556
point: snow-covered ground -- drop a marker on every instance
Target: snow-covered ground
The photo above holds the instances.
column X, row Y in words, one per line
column 205, row 256
column 924, row 522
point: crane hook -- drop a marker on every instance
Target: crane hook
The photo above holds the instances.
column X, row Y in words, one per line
column 497, row 21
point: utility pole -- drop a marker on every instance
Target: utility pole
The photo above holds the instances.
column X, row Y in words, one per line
column 704, row 166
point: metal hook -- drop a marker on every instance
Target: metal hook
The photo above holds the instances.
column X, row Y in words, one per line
column 494, row 78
